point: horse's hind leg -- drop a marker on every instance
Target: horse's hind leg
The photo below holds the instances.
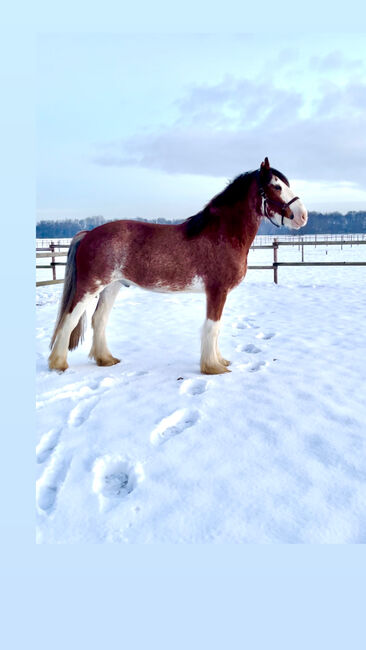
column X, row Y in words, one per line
column 212, row 363
column 99, row 350
column 62, row 339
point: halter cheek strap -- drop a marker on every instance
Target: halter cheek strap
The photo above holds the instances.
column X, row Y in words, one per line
column 277, row 204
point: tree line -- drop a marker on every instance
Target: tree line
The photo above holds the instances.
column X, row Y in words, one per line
column 318, row 223
column 48, row 229
column 323, row 223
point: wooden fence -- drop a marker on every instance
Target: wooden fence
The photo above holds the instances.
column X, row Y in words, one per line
column 51, row 252
column 301, row 243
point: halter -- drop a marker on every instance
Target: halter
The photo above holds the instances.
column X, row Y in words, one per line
column 276, row 204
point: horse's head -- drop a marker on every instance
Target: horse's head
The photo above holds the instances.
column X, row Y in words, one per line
column 279, row 203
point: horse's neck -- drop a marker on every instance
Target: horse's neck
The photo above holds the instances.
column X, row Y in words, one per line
column 251, row 217
column 243, row 221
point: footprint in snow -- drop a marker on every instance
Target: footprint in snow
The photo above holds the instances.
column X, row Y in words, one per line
column 173, row 425
column 250, row 349
column 81, row 412
column 258, row 366
column 115, row 477
column 47, row 444
column 323, row 451
column 193, row 387
column 76, row 390
column 50, row 483
column 246, row 325
column 137, row 373
column 241, row 326
column 265, row 337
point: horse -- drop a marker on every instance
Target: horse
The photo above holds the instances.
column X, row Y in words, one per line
column 205, row 253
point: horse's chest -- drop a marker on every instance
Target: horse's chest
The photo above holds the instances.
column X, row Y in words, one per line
column 231, row 269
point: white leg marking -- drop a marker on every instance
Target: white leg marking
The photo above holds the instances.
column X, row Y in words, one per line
column 58, row 356
column 99, row 350
column 210, row 361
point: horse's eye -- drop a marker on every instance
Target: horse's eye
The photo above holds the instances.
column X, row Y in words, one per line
column 278, row 187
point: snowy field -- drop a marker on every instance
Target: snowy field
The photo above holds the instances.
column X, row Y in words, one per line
column 149, row 450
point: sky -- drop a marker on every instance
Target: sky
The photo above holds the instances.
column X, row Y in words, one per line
column 154, row 126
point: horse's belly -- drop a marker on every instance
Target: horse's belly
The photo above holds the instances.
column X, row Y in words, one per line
column 196, row 285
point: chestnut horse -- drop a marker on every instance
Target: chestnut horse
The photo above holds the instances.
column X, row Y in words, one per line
column 206, row 253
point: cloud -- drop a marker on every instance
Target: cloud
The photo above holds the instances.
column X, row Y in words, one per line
column 226, row 128
column 335, row 61
column 343, row 101
column 236, row 103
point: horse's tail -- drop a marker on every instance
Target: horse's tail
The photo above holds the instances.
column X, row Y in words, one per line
column 68, row 295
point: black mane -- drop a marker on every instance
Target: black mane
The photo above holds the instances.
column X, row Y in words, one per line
column 234, row 192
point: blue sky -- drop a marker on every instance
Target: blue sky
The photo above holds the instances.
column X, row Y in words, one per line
column 150, row 126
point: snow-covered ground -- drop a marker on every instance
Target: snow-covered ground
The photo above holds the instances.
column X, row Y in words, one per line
column 149, row 450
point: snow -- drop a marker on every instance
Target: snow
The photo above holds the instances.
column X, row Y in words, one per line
column 152, row 451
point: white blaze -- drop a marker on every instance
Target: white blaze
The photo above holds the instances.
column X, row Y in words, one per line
column 297, row 207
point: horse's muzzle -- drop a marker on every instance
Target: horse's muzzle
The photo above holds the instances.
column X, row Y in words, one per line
column 301, row 220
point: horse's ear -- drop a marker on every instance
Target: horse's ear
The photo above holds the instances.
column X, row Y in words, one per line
column 265, row 170
column 265, row 165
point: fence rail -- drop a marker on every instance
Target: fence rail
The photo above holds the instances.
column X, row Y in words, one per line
column 50, row 251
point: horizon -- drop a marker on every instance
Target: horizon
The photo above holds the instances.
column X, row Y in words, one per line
column 141, row 217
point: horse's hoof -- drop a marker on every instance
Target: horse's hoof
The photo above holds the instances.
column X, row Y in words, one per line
column 59, row 370
column 225, row 362
column 218, row 369
column 111, row 361
column 57, row 364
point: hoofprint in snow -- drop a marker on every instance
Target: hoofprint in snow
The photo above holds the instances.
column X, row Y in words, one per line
column 150, row 450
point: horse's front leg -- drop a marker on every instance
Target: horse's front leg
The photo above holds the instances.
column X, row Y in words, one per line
column 212, row 363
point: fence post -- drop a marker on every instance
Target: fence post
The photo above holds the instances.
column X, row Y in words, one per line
column 275, row 268
column 52, row 247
